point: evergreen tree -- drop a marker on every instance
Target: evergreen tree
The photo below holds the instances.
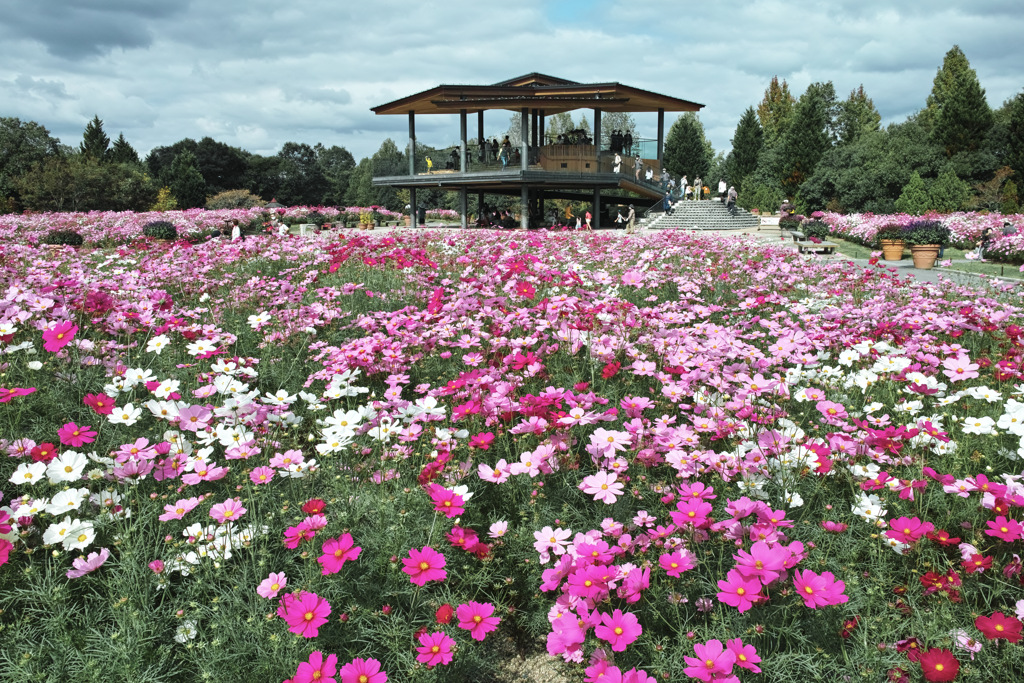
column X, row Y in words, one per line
column 337, row 164
column 187, row 184
column 775, row 110
column 957, row 111
column 948, row 193
column 809, row 134
column 302, row 181
column 122, row 152
column 856, row 116
column 388, row 160
column 1015, row 136
column 22, row 145
column 95, row 142
column 914, row 198
column 687, row 150
column 746, row 148
column 1010, row 203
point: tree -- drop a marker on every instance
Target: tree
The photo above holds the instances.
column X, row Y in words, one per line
column 81, row 183
column 222, row 166
column 957, row 110
column 687, row 150
column 122, row 153
column 775, row 110
column 337, row 164
column 94, row 141
column 22, row 146
column 856, row 116
column 914, row 198
column 302, row 182
column 557, row 123
column 360, row 185
column 616, row 120
column 1015, row 136
column 949, row 193
column 160, row 159
column 187, row 184
column 746, row 148
column 809, row 134
column 387, row 161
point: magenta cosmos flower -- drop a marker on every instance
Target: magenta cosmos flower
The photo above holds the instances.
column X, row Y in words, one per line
column 434, row 649
column 677, row 562
column 59, row 336
column 305, row 613
column 448, row 503
column 361, row 670
column 738, row 591
column 712, row 661
column 476, row 618
column 424, row 565
column 908, row 530
column 819, row 590
column 317, row 669
column 618, row 629
column 73, row 435
column 337, row 551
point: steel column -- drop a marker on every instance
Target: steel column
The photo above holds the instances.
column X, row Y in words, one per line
column 595, row 220
column 462, row 140
column 412, row 143
column 661, row 137
column 524, row 146
column 464, row 207
column 524, row 207
column 597, row 137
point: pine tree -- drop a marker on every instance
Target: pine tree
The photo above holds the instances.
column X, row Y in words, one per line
column 94, row 141
column 914, row 198
column 1015, row 142
column 687, row 151
column 809, row 134
column 746, row 148
column 775, row 110
column 957, row 112
column 122, row 152
column 948, row 193
column 187, row 184
column 856, row 116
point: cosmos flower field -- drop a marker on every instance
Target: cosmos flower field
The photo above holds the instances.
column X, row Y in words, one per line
column 419, row 456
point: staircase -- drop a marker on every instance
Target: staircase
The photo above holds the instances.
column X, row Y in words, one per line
column 704, row 214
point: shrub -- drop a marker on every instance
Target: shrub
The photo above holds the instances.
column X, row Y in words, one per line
column 816, row 229
column 926, row 232
column 164, row 230
column 787, row 222
column 316, row 218
column 891, row 231
column 67, row 237
column 234, row 199
column 165, row 201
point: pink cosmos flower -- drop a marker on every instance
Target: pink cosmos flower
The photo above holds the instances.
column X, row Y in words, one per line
column 739, row 591
column 447, row 502
column 304, row 612
column 424, row 565
column 179, row 509
column 908, row 529
column 476, row 618
column 434, row 649
column 317, row 669
column 764, row 562
column 693, row 512
column 746, row 655
column 228, row 511
column 960, row 368
column 262, row 475
column 676, row 563
column 498, row 474
column 85, row 565
column 294, row 535
column 59, row 336
column 73, row 435
column 834, row 527
column 1004, row 529
column 498, row 529
column 819, row 590
column 7, row 394
column 361, row 670
column 603, row 486
column 272, row 585
column 711, row 663
column 619, row 629
column 336, row 552
column 590, row 581
column 157, row 566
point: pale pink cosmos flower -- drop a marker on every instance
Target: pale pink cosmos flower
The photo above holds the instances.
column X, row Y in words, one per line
column 228, row 511
column 272, row 585
column 496, row 474
column 86, row 565
column 498, row 529
column 603, row 486
column 179, row 509
column 960, row 368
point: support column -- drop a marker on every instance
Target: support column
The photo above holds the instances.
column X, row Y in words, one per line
column 462, row 140
column 479, row 204
column 595, row 221
column 597, row 138
column 464, row 207
column 524, row 208
column 533, row 128
column 661, row 137
column 480, row 129
column 412, row 167
column 524, row 146
column 541, row 126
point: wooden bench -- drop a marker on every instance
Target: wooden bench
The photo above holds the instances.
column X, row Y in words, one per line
column 817, row 247
column 797, row 235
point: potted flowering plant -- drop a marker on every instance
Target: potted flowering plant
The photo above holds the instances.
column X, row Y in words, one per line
column 926, row 238
column 891, row 238
column 366, row 220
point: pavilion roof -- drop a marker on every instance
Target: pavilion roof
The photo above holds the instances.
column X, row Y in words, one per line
column 535, row 91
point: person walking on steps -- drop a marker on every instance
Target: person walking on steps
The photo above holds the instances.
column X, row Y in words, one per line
column 631, row 221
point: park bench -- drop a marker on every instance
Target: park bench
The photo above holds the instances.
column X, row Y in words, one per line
column 817, row 247
column 796, row 235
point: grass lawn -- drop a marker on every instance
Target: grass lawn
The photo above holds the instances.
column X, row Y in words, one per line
column 958, row 256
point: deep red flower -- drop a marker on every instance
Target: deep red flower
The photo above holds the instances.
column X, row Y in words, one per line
column 977, row 563
column 44, row 452
column 999, row 626
column 444, row 613
column 314, row 506
column 942, row 537
column 939, row 665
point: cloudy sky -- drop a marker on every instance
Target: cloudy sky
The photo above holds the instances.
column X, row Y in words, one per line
column 256, row 74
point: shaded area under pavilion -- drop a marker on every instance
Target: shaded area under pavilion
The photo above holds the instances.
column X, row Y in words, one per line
column 578, row 172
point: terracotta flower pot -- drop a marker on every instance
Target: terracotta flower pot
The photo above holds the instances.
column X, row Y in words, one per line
column 924, row 255
column 892, row 250
column 408, row 221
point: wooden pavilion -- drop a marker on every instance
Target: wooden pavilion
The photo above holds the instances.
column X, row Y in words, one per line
column 571, row 171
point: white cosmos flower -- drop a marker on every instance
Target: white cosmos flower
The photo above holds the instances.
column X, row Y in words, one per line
column 135, row 376
column 978, row 425
column 58, row 531
column 79, row 537
column 158, row 343
column 200, row 346
column 128, row 415
column 262, row 318
column 28, row 473
column 187, row 630
column 281, row 398
column 869, row 508
column 35, row 365
column 166, row 388
column 66, row 501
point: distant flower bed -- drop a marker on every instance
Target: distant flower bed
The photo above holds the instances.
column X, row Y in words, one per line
column 965, row 229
